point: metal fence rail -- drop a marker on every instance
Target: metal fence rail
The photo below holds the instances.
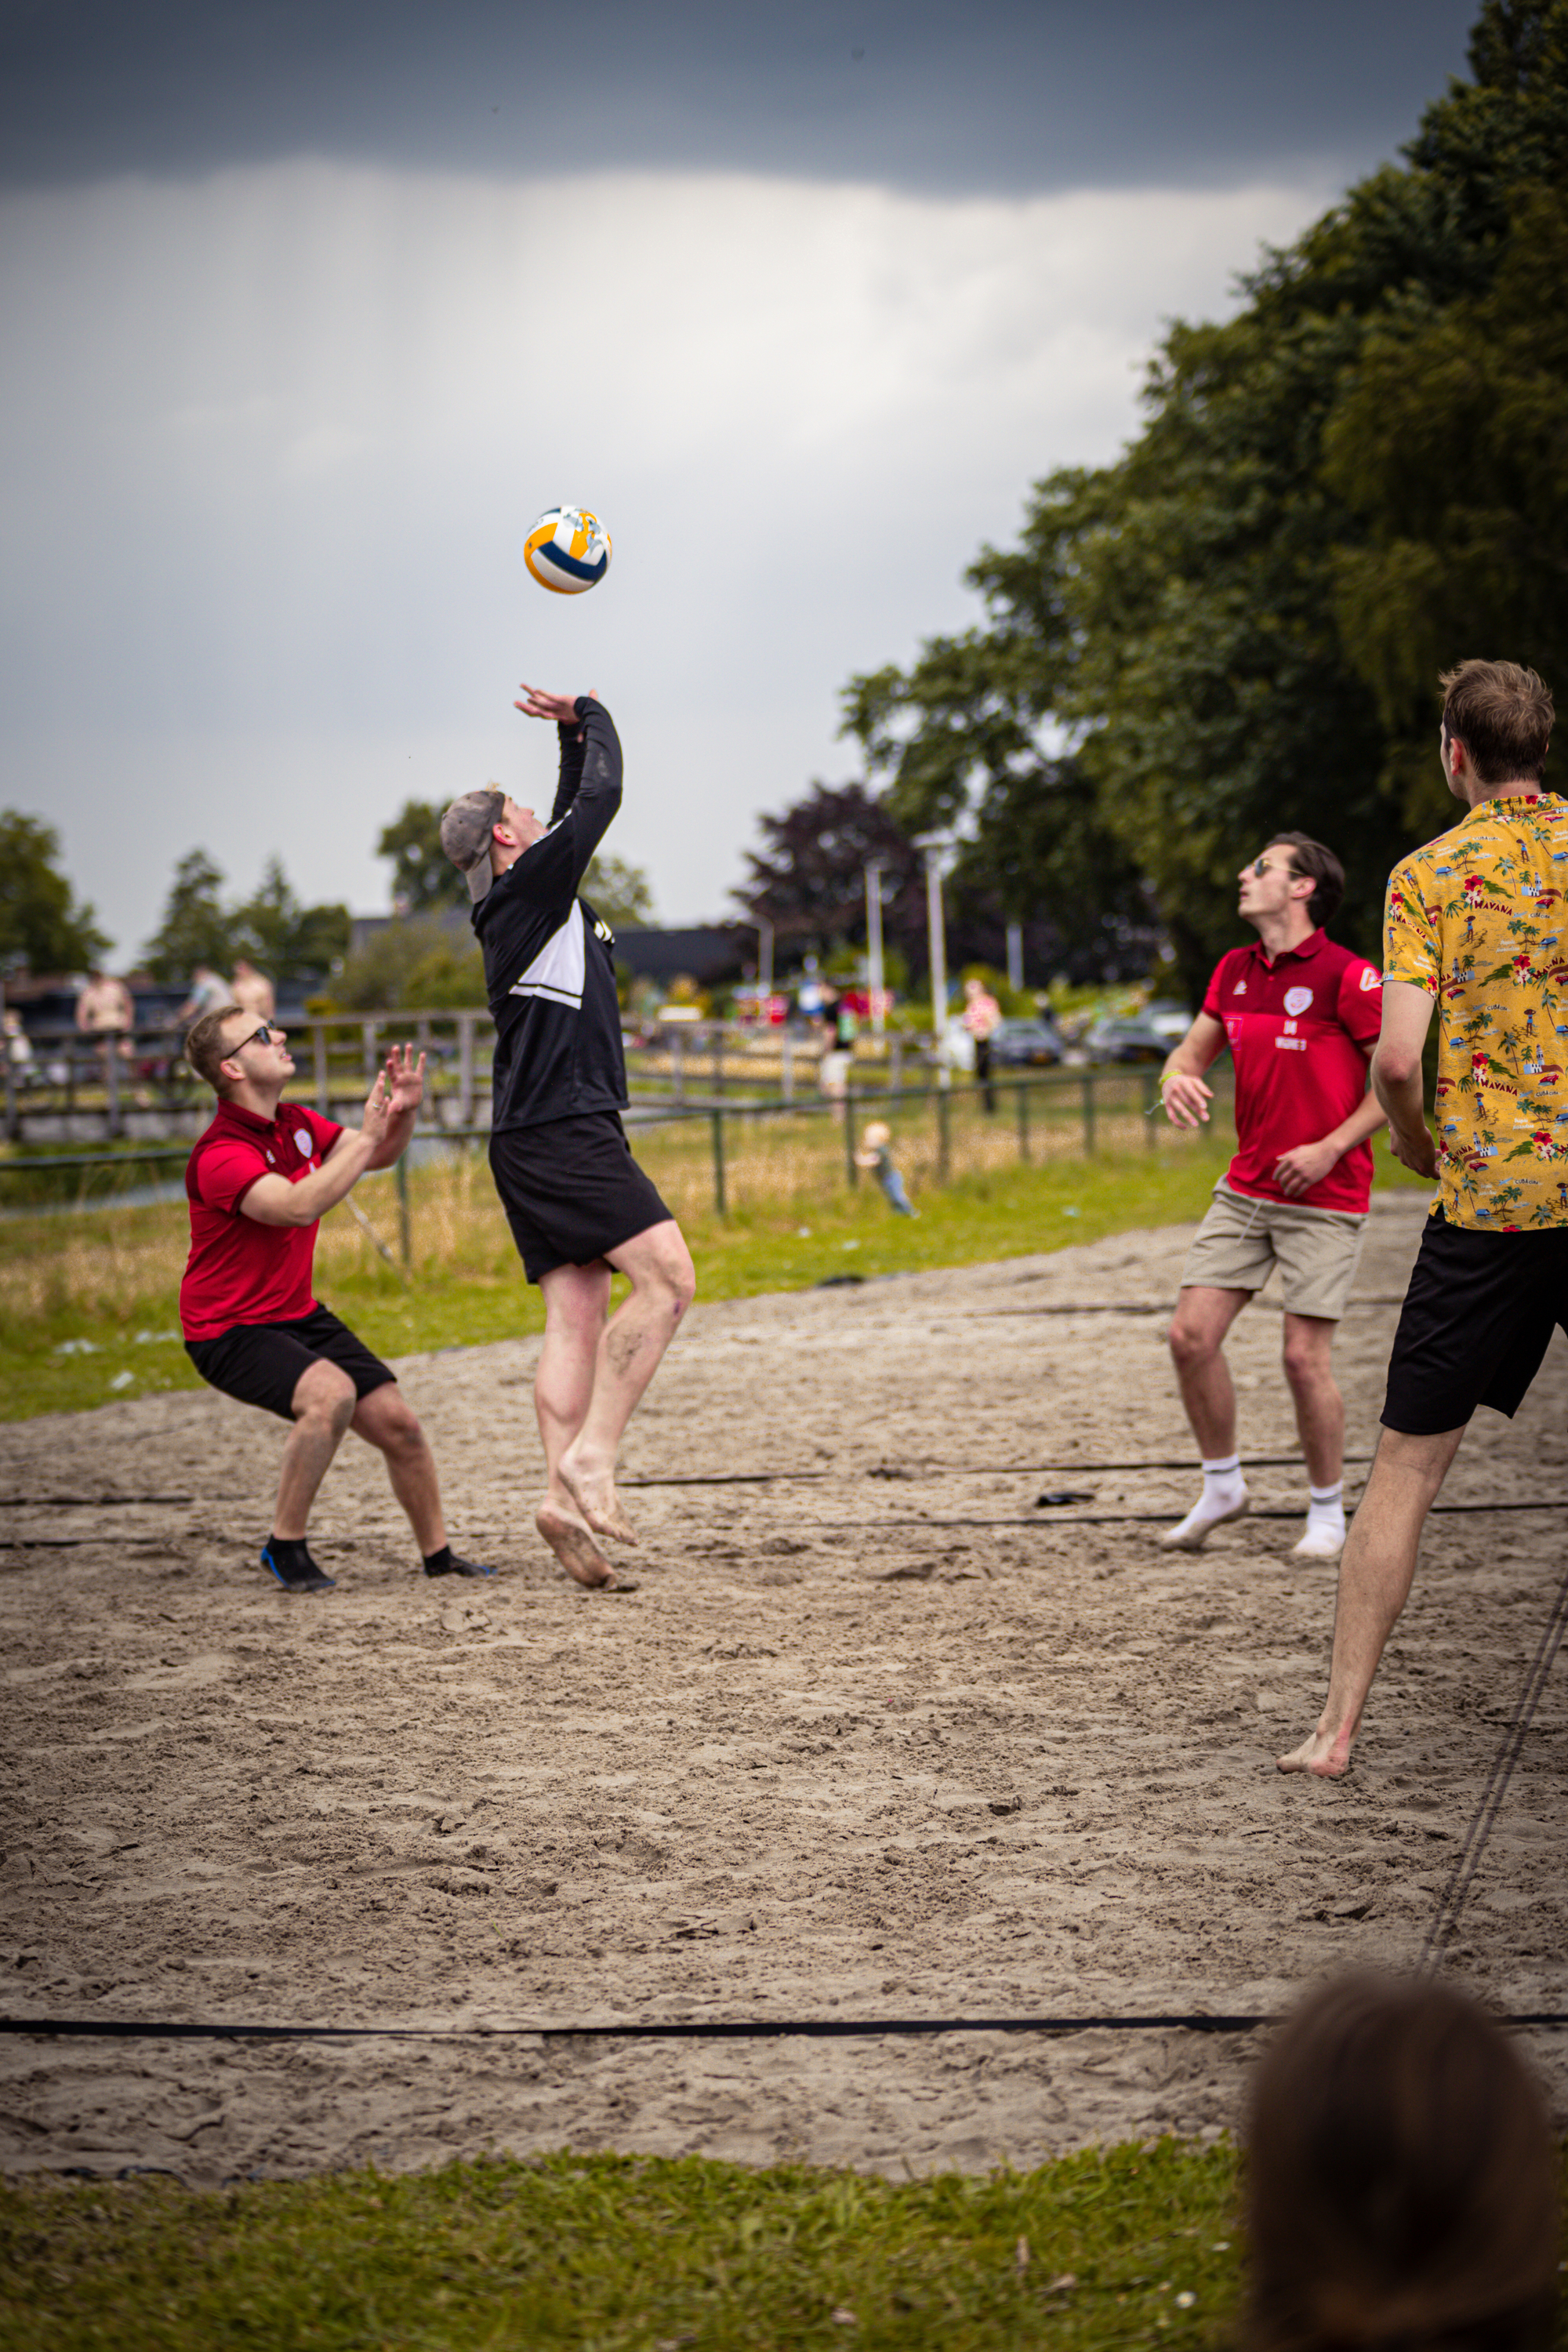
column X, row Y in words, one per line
column 135, row 1085
column 1030, row 1110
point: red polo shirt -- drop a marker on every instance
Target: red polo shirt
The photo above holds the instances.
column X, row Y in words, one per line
column 239, row 1271
column 1300, row 1030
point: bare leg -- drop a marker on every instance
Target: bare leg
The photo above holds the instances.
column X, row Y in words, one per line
column 1202, row 1317
column 575, row 1300
column 323, row 1406
column 1320, row 1408
column 1375, row 1573
column 631, row 1348
column 386, row 1420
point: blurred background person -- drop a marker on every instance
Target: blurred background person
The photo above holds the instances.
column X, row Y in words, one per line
column 982, row 1018
column 253, row 991
column 1401, row 2179
column 875, row 1153
column 209, row 994
column 105, row 1012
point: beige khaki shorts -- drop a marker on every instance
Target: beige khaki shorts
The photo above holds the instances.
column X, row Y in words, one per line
column 1242, row 1240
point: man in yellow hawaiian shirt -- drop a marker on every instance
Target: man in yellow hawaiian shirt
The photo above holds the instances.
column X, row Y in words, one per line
column 1476, row 927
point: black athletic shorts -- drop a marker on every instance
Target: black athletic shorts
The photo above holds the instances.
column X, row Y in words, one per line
column 572, row 1190
column 261, row 1363
column 1478, row 1317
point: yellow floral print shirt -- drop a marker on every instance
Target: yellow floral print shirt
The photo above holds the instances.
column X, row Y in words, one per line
column 1478, row 918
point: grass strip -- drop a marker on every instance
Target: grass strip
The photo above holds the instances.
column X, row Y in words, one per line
column 88, row 1304
column 1133, row 2245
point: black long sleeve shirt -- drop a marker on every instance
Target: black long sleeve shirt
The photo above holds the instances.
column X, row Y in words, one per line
column 550, row 965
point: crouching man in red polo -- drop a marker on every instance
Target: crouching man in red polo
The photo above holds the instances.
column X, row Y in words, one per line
column 260, row 1181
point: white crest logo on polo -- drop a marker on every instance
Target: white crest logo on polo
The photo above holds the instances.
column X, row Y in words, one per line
column 302, row 1142
column 1297, row 1000
column 1371, row 979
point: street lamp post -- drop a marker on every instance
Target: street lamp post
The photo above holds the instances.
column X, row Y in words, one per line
column 874, row 944
column 934, row 846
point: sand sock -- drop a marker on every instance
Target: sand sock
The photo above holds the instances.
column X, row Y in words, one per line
column 1326, row 1510
column 1223, row 1498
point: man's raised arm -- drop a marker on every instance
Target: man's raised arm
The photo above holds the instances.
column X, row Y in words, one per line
column 273, row 1201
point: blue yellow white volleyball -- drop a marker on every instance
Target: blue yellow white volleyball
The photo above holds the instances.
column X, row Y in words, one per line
column 567, row 550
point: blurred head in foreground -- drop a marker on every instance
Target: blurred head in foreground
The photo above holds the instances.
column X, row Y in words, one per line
column 1401, row 2190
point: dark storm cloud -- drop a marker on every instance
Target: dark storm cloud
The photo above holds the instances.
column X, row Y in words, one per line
column 997, row 96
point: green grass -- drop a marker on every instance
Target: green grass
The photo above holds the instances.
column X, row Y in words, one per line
column 105, row 1277
column 1134, row 2246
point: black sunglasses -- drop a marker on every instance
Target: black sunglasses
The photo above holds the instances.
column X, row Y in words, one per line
column 1260, row 866
column 262, row 1036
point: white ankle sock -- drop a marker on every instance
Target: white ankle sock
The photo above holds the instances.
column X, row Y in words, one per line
column 1326, row 1506
column 1223, row 1481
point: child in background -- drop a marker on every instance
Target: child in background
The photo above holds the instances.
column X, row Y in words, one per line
column 874, row 1154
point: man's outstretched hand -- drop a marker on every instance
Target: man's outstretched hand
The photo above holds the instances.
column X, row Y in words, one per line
column 404, row 1080
column 560, row 708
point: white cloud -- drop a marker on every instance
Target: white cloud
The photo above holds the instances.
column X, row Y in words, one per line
column 277, row 434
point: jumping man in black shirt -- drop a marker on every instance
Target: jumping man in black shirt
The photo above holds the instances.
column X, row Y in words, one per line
column 576, row 1201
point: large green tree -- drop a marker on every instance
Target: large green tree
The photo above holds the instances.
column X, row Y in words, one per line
column 285, row 938
column 42, row 923
column 1237, row 626
column 195, row 926
column 424, row 878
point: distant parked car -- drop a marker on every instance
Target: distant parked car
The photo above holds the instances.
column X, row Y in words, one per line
column 1022, row 1044
column 1171, row 1018
column 1135, row 1040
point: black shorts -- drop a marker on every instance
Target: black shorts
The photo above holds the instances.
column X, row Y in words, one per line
column 1478, row 1317
column 262, row 1363
column 572, row 1190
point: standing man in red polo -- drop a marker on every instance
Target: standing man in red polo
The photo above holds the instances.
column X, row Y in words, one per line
column 1301, row 1016
column 260, row 1181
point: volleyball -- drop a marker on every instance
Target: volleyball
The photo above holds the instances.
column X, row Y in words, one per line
column 567, row 550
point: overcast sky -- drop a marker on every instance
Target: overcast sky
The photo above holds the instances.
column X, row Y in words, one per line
column 310, row 310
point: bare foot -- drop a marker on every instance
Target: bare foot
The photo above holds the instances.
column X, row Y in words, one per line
column 572, row 1545
column 594, row 1492
column 1324, row 1755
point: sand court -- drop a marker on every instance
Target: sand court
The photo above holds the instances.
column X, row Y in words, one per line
column 879, row 1739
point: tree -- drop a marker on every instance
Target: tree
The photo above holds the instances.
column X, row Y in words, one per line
column 424, row 878
column 415, row 961
column 42, row 924
column 809, row 879
column 1235, row 625
column 290, row 942
column 1449, row 444
column 619, row 891
column 195, row 928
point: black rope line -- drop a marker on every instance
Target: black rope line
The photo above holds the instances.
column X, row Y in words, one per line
column 1160, row 1307
column 1130, row 1518
column 745, row 2029
column 1462, row 1877
column 82, row 1502
column 919, row 1470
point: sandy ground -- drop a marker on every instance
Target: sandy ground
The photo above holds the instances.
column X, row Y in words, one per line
column 881, row 1740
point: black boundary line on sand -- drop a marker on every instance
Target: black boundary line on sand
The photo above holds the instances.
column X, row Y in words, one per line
column 1446, row 1919
column 1127, row 1518
column 749, row 2029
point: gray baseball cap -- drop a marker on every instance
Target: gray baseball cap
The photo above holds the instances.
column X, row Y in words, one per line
column 466, row 836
